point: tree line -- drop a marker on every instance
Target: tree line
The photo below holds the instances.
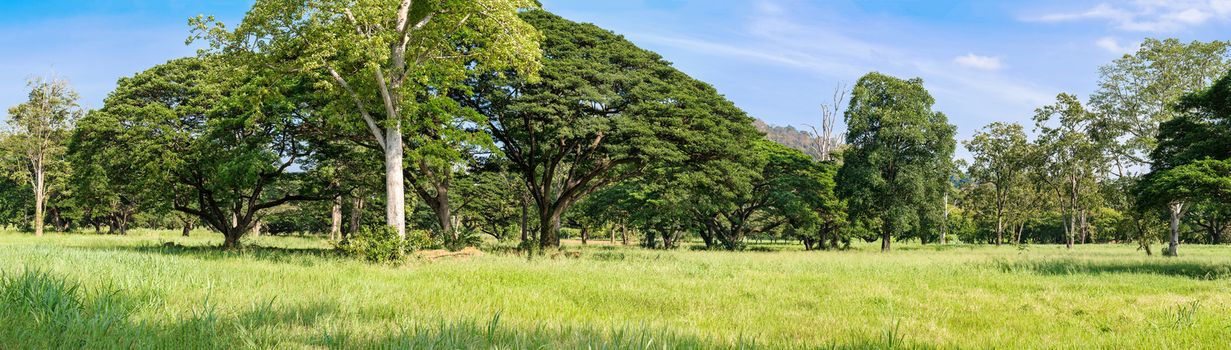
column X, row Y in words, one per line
column 504, row 120
column 1128, row 165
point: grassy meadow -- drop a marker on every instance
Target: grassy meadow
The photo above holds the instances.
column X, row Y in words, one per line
column 154, row 289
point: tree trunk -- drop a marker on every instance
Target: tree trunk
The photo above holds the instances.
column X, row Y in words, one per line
column 444, row 213
column 886, row 238
column 231, row 240
column 256, row 229
column 1177, row 210
column 549, row 228
column 356, row 215
column 999, row 229
column 40, row 200
column 335, row 219
column 707, row 236
column 525, row 216
column 944, row 224
column 395, row 186
column 187, row 227
column 585, row 234
column 1085, row 229
column 624, row 234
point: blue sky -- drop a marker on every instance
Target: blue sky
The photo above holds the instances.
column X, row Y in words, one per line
column 779, row 60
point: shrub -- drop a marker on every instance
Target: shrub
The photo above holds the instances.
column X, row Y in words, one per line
column 462, row 238
column 376, row 243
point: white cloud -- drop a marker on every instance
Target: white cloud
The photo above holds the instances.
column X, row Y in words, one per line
column 777, row 39
column 1148, row 15
column 1114, row 46
column 979, row 62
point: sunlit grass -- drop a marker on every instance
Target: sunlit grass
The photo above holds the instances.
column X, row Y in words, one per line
column 291, row 292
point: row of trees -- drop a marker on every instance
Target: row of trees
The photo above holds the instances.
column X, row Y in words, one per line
column 505, row 120
column 496, row 118
column 1101, row 171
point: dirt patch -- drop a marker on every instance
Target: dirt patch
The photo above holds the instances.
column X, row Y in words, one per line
column 437, row 254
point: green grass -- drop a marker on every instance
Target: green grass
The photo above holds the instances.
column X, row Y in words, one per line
column 88, row 291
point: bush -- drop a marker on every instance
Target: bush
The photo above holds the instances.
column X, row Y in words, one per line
column 465, row 237
column 377, row 244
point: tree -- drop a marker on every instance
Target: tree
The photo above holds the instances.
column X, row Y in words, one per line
column 39, row 128
column 217, row 141
column 389, row 64
column 1000, row 154
column 1191, row 158
column 604, row 111
column 1072, row 159
column 490, row 199
column 825, row 143
column 1136, row 92
column 1204, row 180
column 898, row 160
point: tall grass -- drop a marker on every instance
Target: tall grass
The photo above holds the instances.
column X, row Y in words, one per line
column 87, row 291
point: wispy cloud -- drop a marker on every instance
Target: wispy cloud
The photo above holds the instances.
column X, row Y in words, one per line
column 971, row 60
column 1114, row 46
column 1147, row 15
column 773, row 37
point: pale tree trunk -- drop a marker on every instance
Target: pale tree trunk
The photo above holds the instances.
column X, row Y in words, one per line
column 1085, row 229
column 623, row 234
column 1177, row 211
column 944, row 228
column 40, row 198
column 335, row 219
column 395, row 187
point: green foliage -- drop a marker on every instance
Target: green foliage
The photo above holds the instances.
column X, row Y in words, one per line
column 603, row 111
column 381, row 244
column 34, row 143
column 202, row 137
column 896, row 171
column 1136, row 92
column 1202, row 180
column 460, row 239
column 42, row 310
column 1002, row 157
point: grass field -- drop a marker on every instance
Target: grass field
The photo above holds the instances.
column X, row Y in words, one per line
column 88, row 291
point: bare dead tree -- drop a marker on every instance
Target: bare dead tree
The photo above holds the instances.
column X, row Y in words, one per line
column 825, row 142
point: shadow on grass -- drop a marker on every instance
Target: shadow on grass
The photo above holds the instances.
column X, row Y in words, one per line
column 299, row 256
column 1189, row 269
column 46, row 311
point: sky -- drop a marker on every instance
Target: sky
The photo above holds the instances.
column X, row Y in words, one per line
column 779, row 60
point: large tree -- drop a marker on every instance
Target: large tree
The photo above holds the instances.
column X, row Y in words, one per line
column 1072, row 160
column 1000, row 153
column 389, row 64
column 1136, row 93
column 604, row 111
column 1189, row 162
column 38, row 133
column 899, row 158
column 214, row 140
